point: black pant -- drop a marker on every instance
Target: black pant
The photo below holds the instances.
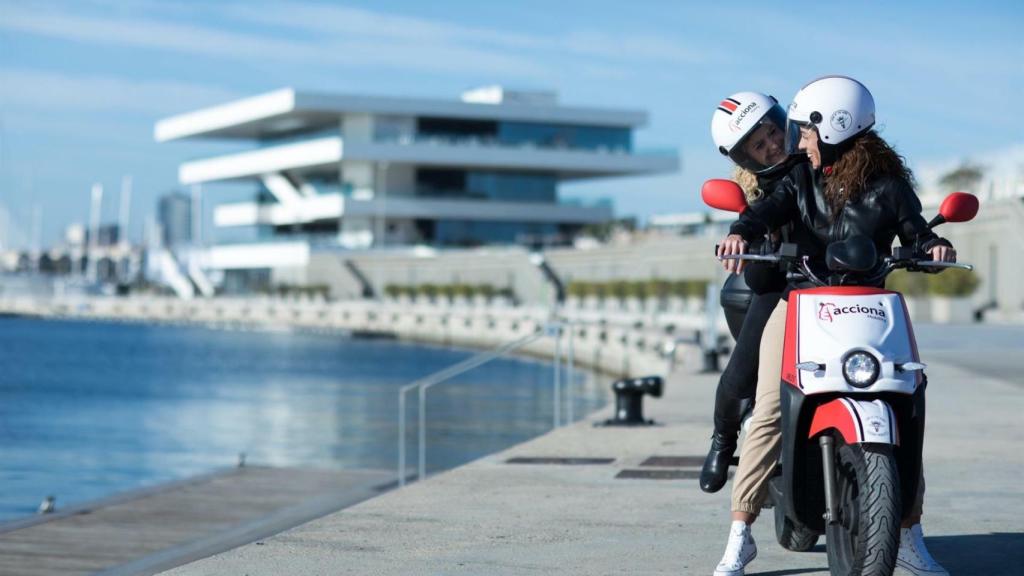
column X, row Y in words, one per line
column 739, row 379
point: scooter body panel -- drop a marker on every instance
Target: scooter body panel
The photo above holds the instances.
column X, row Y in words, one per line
column 826, row 324
column 890, row 411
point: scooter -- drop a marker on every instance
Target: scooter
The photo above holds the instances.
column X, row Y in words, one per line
column 852, row 400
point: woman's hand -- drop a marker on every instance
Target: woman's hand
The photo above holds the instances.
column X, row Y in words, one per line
column 733, row 244
column 943, row 253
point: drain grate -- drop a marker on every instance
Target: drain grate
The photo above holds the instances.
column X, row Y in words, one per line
column 561, row 461
column 658, row 474
column 673, row 461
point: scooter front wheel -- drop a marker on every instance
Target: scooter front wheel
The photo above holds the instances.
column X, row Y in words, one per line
column 865, row 539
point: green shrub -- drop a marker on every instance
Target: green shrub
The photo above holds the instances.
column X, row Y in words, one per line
column 911, row 284
column 464, row 290
column 953, row 282
column 577, row 289
column 696, row 288
column 618, row 289
column 657, row 288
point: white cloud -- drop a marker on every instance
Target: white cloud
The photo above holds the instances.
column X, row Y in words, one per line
column 631, row 47
column 344, row 20
column 339, row 35
column 385, row 45
column 52, row 91
column 348, row 21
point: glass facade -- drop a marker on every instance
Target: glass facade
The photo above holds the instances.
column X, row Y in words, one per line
column 482, row 185
column 296, row 136
column 455, row 128
column 477, row 233
column 566, row 136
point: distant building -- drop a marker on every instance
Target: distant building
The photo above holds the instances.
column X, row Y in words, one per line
column 348, row 172
column 107, row 235
column 712, row 223
column 174, row 214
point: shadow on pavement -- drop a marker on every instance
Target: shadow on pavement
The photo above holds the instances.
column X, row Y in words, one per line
column 998, row 554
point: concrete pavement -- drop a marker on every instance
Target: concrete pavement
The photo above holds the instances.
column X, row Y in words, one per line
column 492, row 517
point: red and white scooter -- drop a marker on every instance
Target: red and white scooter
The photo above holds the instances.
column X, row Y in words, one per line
column 852, row 396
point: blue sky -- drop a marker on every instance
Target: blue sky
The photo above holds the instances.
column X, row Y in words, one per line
column 81, row 83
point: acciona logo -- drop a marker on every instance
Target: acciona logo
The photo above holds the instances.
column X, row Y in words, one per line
column 735, row 124
column 829, row 312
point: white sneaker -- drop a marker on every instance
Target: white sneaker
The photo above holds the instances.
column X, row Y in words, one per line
column 740, row 550
column 913, row 556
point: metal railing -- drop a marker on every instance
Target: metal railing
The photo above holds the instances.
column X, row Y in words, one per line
column 553, row 329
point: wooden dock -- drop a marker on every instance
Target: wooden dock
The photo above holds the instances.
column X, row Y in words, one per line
column 154, row 529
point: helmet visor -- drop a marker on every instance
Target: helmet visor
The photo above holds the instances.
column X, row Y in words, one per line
column 763, row 147
column 793, row 135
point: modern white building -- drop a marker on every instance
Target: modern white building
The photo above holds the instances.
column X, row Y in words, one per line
column 355, row 172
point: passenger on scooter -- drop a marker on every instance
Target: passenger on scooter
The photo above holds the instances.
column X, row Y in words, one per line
column 856, row 184
column 749, row 128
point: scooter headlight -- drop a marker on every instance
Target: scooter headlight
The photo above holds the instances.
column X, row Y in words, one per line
column 860, row 369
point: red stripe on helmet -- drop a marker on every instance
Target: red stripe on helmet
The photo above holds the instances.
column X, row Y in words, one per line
column 728, row 105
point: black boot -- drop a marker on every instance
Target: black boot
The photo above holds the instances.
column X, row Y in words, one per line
column 716, row 465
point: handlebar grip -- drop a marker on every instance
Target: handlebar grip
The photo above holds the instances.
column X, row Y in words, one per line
column 940, row 264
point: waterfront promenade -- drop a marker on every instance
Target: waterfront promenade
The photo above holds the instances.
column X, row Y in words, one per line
column 620, row 341
column 494, row 517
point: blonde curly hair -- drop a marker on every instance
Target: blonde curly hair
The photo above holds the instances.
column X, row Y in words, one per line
column 748, row 182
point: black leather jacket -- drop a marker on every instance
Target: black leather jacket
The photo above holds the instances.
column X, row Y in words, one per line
column 887, row 208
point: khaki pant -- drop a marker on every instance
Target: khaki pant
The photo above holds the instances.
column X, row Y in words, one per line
column 763, row 441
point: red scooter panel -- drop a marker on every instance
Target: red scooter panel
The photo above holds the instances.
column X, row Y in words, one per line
column 858, row 421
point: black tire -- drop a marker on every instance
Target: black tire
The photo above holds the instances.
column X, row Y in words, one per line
column 792, row 535
column 866, row 538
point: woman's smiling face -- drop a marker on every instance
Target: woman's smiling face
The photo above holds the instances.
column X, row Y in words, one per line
column 809, row 144
column 766, row 145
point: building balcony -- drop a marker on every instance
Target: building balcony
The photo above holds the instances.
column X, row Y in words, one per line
column 335, row 206
column 490, row 153
column 305, row 155
column 565, row 162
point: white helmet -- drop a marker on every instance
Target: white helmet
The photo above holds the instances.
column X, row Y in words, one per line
column 739, row 116
column 840, row 108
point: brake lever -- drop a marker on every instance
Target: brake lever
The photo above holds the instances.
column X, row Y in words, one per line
column 943, row 265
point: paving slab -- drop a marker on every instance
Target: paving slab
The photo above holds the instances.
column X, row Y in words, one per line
column 498, row 518
column 152, row 529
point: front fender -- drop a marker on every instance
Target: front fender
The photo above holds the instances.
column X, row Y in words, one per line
column 858, row 421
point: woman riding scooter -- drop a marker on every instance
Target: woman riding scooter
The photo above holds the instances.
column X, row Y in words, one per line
column 749, row 128
column 857, row 185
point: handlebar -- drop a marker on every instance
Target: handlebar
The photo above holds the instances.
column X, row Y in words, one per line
column 940, row 264
column 755, row 257
column 888, row 265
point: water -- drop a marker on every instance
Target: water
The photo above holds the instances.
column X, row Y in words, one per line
column 88, row 409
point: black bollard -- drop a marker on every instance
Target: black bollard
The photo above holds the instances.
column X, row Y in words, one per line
column 710, row 362
column 629, row 400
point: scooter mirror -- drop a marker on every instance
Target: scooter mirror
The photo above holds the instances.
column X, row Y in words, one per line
column 959, row 207
column 723, row 195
